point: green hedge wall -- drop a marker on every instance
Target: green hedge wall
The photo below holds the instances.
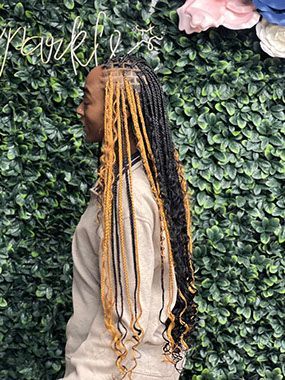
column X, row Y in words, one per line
column 226, row 107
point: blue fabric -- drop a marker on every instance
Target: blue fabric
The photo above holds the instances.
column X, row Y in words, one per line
column 278, row 19
column 267, row 4
column 272, row 10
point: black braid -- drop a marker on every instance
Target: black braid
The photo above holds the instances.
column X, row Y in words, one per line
column 159, row 133
column 131, row 222
column 165, row 182
column 119, row 321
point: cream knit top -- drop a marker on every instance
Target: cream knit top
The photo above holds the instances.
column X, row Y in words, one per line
column 88, row 352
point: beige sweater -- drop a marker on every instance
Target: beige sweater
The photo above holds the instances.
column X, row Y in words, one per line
column 88, row 352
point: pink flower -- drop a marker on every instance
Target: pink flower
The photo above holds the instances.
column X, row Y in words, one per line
column 198, row 15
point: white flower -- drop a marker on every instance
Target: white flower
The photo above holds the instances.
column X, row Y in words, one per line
column 272, row 38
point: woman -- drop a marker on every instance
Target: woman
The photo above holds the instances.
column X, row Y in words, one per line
column 133, row 278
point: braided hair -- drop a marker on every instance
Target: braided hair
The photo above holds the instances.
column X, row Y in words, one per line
column 131, row 84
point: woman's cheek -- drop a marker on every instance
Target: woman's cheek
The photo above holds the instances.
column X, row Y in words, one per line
column 91, row 116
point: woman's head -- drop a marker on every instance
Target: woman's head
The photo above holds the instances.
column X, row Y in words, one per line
column 131, row 107
column 92, row 107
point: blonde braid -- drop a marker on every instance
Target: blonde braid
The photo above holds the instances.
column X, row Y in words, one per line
column 140, row 144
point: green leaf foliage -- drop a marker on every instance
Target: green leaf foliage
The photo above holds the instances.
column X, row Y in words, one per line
column 225, row 100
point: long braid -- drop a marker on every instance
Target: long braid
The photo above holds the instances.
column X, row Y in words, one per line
column 165, row 130
column 149, row 88
column 162, row 237
column 161, row 116
column 127, row 161
column 155, row 139
column 132, row 214
column 169, row 144
column 146, row 165
column 123, row 355
column 161, row 163
column 121, row 227
column 164, row 186
column 108, row 220
column 158, row 117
